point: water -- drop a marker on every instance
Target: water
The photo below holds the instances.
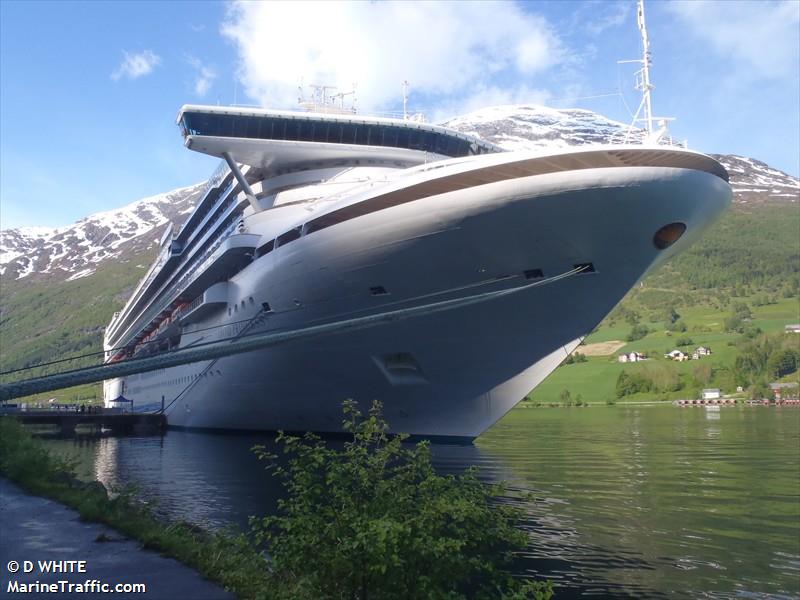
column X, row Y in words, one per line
column 627, row 502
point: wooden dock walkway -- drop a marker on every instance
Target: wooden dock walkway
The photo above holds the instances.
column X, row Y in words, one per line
column 67, row 421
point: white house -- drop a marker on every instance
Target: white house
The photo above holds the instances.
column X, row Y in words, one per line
column 711, row 394
column 631, row 357
column 677, row 355
column 703, row 351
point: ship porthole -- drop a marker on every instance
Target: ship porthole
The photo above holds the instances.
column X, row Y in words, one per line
column 668, row 235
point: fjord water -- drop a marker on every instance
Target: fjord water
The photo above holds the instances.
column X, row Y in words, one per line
column 626, row 502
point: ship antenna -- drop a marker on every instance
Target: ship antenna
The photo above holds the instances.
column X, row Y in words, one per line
column 644, row 85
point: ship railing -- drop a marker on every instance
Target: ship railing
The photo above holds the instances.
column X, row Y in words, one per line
column 218, row 175
column 199, row 229
column 187, row 267
column 186, row 309
column 634, row 135
column 193, row 270
column 417, row 117
column 143, row 285
column 154, row 270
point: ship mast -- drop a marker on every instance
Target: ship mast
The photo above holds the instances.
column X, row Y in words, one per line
column 643, row 80
column 644, row 85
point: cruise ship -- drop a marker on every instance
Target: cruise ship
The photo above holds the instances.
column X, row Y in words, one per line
column 320, row 218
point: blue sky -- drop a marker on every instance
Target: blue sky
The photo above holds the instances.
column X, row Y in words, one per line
column 89, row 90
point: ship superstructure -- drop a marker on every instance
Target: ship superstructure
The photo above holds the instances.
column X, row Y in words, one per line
column 272, row 159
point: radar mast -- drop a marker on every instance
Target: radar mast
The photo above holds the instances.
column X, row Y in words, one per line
column 644, row 85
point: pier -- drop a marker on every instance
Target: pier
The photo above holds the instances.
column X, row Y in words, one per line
column 67, row 421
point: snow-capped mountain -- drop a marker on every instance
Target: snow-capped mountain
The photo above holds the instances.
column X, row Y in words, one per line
column 74, row 251
column 755, row 181
column 530, row 127
column 533, row 127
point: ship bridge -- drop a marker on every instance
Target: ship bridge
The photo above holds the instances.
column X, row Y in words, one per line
column 281, row 141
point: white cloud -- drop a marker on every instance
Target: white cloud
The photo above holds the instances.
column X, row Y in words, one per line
column 608, row 16
column 204, row 75
column 760, row 37
column 135, row 65
column 450, row 52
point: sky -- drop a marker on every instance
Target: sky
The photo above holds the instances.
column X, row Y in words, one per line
column 89, row 91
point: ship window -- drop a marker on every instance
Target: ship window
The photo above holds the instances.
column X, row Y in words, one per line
column 265, row 248
column 287, row 237
column 266, row 307
column 378, row 290
column 585, row 268
column 403, row 138
column 238, row 127
column 534, row 274
column 291, row 130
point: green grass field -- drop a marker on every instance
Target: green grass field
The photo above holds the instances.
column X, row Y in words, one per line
column 595, row 380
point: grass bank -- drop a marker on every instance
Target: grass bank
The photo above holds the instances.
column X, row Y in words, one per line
column 230, row 560
column 370, row 520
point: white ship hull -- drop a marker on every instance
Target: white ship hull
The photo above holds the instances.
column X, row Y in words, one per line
column 453, row 373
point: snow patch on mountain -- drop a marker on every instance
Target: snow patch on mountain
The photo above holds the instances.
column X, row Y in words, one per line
column 755, row 181
column 73, row 251
column 532, row 127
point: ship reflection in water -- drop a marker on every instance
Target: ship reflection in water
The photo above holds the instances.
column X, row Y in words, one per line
column 626, row 503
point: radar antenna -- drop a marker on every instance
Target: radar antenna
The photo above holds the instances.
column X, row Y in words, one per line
column 644, row 85
column 324, row 100
column 643, row 80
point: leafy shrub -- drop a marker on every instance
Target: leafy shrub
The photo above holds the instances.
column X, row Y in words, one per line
column 628, row 384
column 637, row 333
column 679, row 326
column 374, row 520
column 782, row 362
column 577, row 357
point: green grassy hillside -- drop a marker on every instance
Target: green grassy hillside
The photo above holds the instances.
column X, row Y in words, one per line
column 750, row 257
column 42, row 320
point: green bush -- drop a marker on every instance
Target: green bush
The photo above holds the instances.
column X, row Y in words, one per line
column 782, row 362
column 373, row 520
column 637, row 333
column 628, row 384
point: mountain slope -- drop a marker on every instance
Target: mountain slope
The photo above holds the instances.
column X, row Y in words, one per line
column 72, row 252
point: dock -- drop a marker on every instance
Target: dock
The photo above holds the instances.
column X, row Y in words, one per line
column 67, row 421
